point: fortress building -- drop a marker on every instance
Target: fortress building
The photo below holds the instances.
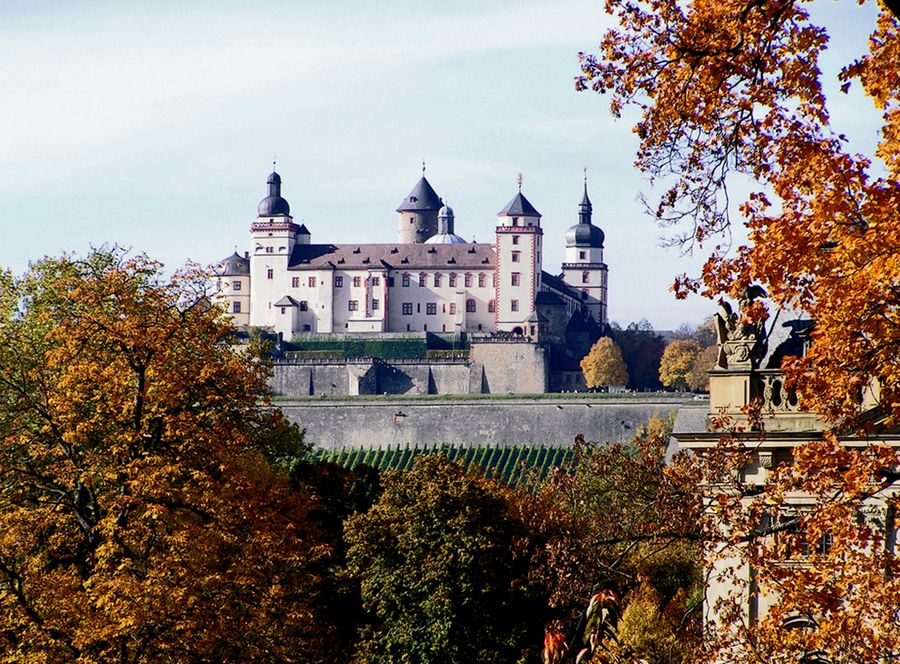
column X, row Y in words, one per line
column 430, row 279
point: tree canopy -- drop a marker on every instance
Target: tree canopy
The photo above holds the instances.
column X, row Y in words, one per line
column 734, row 87
column 603, row 365
column 144, row 517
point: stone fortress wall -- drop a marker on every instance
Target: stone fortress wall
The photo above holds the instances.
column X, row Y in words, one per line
column 360, row 423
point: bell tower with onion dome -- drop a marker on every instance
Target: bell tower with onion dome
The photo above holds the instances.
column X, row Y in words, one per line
column 584, row 269
column 273, row 235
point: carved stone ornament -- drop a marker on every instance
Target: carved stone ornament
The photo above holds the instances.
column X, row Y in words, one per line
column 740, row 345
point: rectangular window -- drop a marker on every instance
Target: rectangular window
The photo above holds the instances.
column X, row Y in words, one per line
column 357, row 282
column 422, row 280
column 312, row 282
column 304, row 305
column 585, row 277
column 431, row 308
column 235, row 307
column 582, row 255
column 407, row 308
column 516, row 278
column 338, row 282
column 236, row 285
column 270, row 273
column 406, row 280
column 376, row 305
column 437, row 280
column 516, row 255
column 353, row 305
column 376, row 281
column 514, row 305
column 453, row 307
column 468, row 280
column 482, row 280
column 515, row 239
column 270, row 250
column 491, row 307
column 470, row 305
column 452, row 281
column 295, row 282
column 390, row 282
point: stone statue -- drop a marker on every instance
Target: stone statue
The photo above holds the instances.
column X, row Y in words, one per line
column 740, row 345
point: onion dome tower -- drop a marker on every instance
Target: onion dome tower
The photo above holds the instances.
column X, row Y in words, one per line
column 418, row 212
column 584, row 268
column 273, row 204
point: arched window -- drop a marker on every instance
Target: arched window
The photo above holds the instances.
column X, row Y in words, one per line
column 470, row 305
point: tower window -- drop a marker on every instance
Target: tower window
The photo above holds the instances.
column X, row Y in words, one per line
column 516, row 278
column 270, row 273
column 516, row 255
column 585, row 277
column 235, row 307
column 236, row 285
column 338, row 282
column 376, row 281
column 515, row 239
column 376, row 305
column 295, row 282
column 514, row 305
column 270, row 250
column 304, row 305
column 582, row 255
column 470, row 305
column 515, row 221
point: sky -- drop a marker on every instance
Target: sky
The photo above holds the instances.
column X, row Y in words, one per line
column 154, row 125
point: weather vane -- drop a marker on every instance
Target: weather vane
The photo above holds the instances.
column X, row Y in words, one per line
column 423, row 167
column 585, row 174
column 519, row 180
column 274, row 161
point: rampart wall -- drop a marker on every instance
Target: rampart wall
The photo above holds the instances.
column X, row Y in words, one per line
column 334, row 424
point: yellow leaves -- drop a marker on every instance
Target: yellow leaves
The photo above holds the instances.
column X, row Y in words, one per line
column 604, row 365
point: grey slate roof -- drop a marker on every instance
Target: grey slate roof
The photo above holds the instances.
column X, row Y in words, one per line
column 519, row 207
column 287, row 301
column 546, row 297
column 422, row 198
column 557, row 284
column 235, row 266
column 303, row 230
column 469, row 256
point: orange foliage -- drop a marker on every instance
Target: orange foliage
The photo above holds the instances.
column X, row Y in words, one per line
column 140, row 520
column 729, row 87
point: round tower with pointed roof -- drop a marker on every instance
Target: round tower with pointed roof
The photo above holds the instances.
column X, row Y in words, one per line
column 584, row 269
column 418, row 212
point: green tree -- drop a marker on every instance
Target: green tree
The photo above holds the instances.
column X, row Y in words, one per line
column 642, row 351
column 440, row 578
column 603, row 365
column 143, row 517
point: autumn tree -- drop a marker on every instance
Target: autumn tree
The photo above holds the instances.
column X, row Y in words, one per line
column 603, row 365
column 145, row 516
column 729, row 90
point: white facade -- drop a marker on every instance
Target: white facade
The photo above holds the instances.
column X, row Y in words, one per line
column 438, row 284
